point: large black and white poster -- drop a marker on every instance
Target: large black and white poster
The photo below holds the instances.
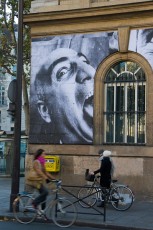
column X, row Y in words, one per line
column 62, row 83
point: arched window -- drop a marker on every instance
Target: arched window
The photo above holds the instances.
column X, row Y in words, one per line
column 123, row 101
column 125, row 104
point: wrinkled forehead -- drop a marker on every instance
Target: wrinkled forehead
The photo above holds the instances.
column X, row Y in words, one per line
column 59, row 55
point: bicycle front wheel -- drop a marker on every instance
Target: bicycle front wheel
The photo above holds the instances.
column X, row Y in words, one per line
column 121, row 198
column 22, row 209
column 63, row 212
column 87, row 196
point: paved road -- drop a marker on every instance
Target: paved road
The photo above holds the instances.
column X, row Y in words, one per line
column 138, row 217
column 7, row 225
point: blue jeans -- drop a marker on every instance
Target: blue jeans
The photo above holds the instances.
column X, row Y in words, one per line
column 42, row 197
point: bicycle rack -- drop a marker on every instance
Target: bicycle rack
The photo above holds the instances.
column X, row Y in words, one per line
column 98, row 212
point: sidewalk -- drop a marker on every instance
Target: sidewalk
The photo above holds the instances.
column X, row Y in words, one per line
column 139, row 216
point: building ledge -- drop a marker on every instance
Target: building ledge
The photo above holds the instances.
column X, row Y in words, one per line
column 60, row 5
column 132, row 9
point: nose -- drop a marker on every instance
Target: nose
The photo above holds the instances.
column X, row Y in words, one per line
column 85, row 73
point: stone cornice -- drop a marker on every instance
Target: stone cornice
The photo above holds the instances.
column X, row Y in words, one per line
column 118, row 11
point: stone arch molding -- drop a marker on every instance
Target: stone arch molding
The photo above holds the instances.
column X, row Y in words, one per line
column 99, row 93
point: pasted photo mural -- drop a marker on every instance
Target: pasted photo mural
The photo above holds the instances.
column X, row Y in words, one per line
column 62, row 83
column 141, row 41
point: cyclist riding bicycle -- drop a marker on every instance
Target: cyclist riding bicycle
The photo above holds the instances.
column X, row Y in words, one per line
column 40, row 178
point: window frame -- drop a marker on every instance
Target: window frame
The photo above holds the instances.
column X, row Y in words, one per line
column 115, row 83
column 99, row 95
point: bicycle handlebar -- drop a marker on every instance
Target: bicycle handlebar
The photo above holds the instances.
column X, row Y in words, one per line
column 58, row 182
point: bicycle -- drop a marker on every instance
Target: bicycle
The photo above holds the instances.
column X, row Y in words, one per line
column 58, row 209
column 119, row 196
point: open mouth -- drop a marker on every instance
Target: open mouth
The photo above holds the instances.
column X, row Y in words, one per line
column 88, row 110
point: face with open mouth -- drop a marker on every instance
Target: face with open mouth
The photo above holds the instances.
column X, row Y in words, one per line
column 70, row 96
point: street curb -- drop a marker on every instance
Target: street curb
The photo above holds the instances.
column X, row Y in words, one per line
column 106, row 226
column 81, row 224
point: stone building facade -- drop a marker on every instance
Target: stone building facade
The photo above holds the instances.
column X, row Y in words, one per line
column 115, row 36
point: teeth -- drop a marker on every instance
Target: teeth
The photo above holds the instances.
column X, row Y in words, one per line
column 88, row 108
column 89, row 95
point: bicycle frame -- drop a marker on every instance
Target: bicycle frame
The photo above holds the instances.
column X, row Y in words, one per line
column 106, row 192
column 99, row 189
column 49, row 199
column 58, row 209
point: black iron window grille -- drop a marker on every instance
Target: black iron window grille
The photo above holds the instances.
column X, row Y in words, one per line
column 125, row 104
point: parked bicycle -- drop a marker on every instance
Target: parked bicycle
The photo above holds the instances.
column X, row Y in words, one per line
column 59, row 209
column 119, row 196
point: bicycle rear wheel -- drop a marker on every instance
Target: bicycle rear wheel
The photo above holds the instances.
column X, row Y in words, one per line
column 22, row 209
column 63, row 212
column 87, row 196
column 121, row 198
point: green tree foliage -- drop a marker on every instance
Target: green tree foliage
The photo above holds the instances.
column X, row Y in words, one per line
column 8, row 46
column 8, row 37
